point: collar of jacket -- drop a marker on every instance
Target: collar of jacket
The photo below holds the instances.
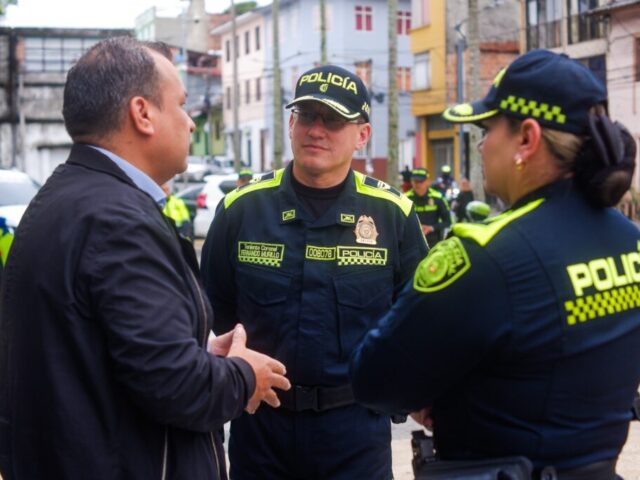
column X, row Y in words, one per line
column 341, row 212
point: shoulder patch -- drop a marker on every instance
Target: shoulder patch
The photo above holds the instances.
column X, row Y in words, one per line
column 377, row 188
column 268, row 180
column 446, row 262
column 482, row 233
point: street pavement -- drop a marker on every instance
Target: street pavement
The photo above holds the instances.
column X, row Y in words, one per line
column 628, row 464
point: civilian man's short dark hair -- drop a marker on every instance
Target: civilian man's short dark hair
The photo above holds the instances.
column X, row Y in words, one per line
column 100, row 85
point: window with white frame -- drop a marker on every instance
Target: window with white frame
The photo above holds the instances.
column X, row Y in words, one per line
column 421, row 12
column 403, row 79
column 403, row 23
column 364, row 18
column 422, row 71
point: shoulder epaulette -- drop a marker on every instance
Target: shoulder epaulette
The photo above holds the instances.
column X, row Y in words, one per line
column 377, row 188
column 268, row 180
column 434, row 193
column 482, row 233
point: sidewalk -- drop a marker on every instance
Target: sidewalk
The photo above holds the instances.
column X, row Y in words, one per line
column 628, row 464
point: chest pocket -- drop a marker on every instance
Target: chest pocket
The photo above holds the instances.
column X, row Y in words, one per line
column 262, row 296
column 362, row 298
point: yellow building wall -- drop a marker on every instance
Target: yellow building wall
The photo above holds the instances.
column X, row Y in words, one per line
column 431, row 38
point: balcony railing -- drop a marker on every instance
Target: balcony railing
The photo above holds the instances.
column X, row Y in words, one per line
column 544, row 35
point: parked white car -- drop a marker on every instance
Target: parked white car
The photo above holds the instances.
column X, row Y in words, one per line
column 16, row 191
column 214, row 189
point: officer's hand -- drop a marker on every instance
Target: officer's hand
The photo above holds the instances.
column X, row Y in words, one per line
column 423, row 417
column 269, row 372
column 427, row 229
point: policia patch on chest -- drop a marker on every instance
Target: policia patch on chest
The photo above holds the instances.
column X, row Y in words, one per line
column 446, row 262
column 269, row 254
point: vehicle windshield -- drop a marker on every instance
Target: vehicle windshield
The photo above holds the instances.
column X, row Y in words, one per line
column 17, row 192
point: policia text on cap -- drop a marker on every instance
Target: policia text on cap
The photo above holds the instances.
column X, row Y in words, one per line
column 307, row 258
column 542, row 359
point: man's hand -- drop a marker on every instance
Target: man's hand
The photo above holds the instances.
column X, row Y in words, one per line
column 220, row 345
column 269, row 372
column 427, row 229
column 423, row 417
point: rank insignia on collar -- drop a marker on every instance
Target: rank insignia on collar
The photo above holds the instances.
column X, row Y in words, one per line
column 366, row 230
column 288, row 215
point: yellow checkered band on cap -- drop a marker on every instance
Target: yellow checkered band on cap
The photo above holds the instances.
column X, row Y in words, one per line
column 602, row 304
column 532, row 108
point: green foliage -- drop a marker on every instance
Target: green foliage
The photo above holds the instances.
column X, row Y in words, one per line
column 4, row 3
column 242, row 7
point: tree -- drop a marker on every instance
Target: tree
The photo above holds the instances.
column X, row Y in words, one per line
column 392, row 156
column 278, row 120
column 242, row 7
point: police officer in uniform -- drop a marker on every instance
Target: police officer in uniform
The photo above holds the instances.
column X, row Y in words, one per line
column 245, row 175
column 307, row 258
column 546, row 363
column 431, row 206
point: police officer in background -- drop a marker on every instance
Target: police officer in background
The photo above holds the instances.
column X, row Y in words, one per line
column 307, row 258
column 431, row 206
column 546, row 366
column 245, row 175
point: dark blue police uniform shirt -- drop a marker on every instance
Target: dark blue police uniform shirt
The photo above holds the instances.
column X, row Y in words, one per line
column 308, row 289
column 522, row 333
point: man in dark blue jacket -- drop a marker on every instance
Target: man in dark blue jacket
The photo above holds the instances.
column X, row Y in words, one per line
column 104, row 325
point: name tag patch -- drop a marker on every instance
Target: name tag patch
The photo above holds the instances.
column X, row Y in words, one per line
column 320, row 253
column 269, row 254
column 361, row 256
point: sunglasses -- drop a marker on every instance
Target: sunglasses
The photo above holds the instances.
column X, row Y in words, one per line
column 331, row 122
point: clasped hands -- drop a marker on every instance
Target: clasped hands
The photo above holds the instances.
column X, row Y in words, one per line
column 269, row 372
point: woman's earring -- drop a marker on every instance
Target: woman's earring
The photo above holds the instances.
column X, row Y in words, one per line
column 519, row 162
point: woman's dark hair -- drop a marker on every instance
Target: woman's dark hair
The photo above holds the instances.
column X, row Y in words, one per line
column 604, row 167
column 100, row 85
column 602, row 162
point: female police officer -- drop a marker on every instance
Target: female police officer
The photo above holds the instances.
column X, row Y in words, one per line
column 542, row 359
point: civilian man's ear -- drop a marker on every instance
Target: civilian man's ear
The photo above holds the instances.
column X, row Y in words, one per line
column 140, row 115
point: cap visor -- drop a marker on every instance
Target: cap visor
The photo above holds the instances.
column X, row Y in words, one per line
column 468, row 112
column 329, row 102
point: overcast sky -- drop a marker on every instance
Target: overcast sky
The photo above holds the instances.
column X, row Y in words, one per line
column 94, row 13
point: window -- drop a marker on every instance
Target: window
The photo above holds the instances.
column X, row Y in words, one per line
column 421, row 12
column 258, row 90
column 54, row 54
column 363, row 70
column 228, row 98
column 236, row 46
column 227, row 50
column 247, row 46
column 316, row 18
column 403, row 79
column 404, row 23
column 217, row 129
column 364, row 18
column 422, row 71
column 258, row 38
column 247, row 91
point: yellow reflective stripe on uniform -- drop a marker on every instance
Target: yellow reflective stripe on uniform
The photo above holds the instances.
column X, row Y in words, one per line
column 401, row 201
column 5, row 245
column 602, row 304
column 252, row 187
column 483, row 233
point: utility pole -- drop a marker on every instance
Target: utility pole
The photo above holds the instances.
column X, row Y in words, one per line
column 323, row 34
column 473, row 41
column 392, row 156
column 277, row 89
column 460, row 46
column 236, row 94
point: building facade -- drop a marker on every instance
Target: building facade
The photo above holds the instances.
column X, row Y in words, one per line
column 249, row 48
column 33, row 68
column 439, row 45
